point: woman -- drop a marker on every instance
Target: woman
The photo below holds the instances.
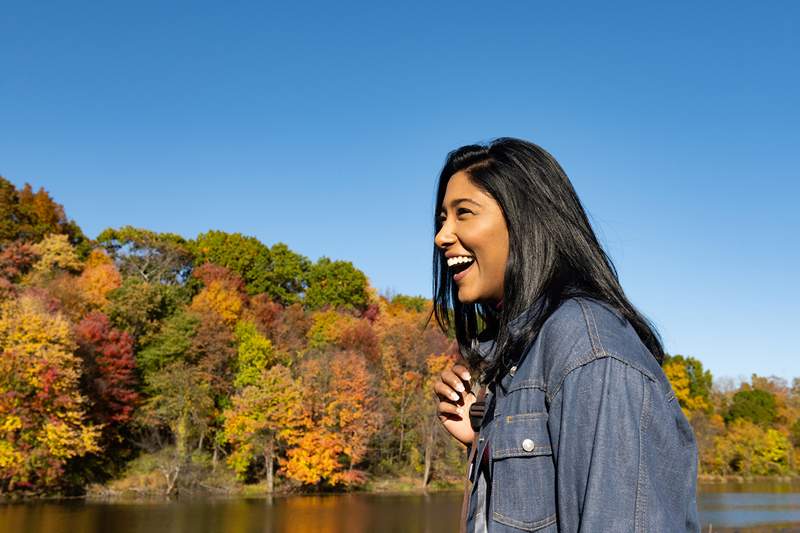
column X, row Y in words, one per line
column 578, row 428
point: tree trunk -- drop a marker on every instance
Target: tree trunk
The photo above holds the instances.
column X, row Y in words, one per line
column 182, row 437
column 429, row 443
column 268, row 453
column 214, row 458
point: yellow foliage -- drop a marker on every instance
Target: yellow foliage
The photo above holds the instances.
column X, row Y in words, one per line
column 98, row 257
column 679, row 379
column 97, row 280
column 55, row 251
column 42, row 418
column 327, row 328
column 219, row 299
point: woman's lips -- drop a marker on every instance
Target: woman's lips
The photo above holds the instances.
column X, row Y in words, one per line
column 463, row 273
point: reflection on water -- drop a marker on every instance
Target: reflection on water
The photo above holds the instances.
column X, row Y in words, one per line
column 726, row 507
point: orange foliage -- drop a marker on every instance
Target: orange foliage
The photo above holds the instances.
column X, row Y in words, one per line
column 98, row 278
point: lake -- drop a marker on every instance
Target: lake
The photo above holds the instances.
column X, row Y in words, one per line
column 729, row 507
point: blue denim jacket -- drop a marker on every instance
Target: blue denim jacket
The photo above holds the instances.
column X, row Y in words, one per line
column 585, row 434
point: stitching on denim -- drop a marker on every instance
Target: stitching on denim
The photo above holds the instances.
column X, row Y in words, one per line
column 586, row 359
column 591, row 318
column 594, row 340
column 534, row 383
column 641, row 483
column 670, row 396
column 527, row 526
column 519, row 451
column 510, row 419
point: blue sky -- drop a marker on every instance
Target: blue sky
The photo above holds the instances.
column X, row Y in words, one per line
column 324, row 126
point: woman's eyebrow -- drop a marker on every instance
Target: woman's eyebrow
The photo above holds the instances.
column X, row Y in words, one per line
column 457, row 201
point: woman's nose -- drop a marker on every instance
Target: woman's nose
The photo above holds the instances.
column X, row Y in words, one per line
column 444, row 237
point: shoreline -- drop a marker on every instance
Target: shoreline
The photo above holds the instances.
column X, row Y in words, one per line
column 383, row 486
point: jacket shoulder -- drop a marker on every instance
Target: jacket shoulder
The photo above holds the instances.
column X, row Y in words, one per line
column 582, row 330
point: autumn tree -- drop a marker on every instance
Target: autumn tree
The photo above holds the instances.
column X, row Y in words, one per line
column 109, row 379
column 266, row 413
column 16, row 259
column 406, row 341
column 220, row 295
column 99, row 277
column 42, row 413
column 339, row 394
column 286, row 327
column 29, row 216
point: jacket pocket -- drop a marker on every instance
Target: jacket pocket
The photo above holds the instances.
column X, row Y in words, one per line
column 523, row 473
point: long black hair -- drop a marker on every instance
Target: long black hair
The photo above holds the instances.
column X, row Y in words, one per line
column 553, row 253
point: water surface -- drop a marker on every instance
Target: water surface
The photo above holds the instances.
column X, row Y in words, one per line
column 730, row 507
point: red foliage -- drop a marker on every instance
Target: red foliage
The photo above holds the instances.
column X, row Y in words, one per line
column 213, row 349
column 285, row 327
column 109, row 364
column 371, row 313
column 209, row 272
column 362, row 338
column 15, row 260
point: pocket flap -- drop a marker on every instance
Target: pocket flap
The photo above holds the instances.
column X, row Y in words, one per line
column 521, row 435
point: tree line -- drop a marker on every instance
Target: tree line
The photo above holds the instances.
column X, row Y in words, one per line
column 146, row 361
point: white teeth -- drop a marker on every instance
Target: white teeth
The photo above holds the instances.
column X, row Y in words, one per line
column 459, row 259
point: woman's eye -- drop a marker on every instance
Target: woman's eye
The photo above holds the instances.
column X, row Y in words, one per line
column 463, row 211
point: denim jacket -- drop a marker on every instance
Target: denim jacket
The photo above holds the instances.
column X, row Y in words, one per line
column 585, row 434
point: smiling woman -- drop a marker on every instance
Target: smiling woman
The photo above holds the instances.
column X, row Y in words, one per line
column 474, row 238
column 591, row 437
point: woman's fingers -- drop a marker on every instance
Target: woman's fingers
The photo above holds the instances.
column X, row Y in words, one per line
column 447, row 408
column 462, row 372
column 446, row 392
column 453, row 378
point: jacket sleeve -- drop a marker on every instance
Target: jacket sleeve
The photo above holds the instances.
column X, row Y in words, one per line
column 597, row 423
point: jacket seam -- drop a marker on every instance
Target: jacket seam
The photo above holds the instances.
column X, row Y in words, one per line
column 591, row 323
column 588, row 358
column 642, row 481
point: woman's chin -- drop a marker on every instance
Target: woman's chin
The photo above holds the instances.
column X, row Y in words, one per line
column 465, row 297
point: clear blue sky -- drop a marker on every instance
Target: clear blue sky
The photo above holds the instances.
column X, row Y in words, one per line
column 324, row 126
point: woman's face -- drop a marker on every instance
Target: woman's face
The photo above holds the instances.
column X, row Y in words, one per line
column 473, row 235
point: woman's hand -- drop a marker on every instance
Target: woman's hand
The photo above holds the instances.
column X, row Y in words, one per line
column 455, row 397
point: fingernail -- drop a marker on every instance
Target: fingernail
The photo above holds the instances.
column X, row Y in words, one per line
column 454, row 396
column 459, row 387
column 465, row 376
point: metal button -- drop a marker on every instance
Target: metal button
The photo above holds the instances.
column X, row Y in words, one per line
column 512, row 370
column 527, row 445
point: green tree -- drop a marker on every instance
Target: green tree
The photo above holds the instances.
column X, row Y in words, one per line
column 182, row 401
column 151, row 256
column 255, row 354
column 139, row 307
column 336, row 283
column 169, row 345
column 412, row 303
column 755, row 405
column 247, row 256
column 288, row 276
